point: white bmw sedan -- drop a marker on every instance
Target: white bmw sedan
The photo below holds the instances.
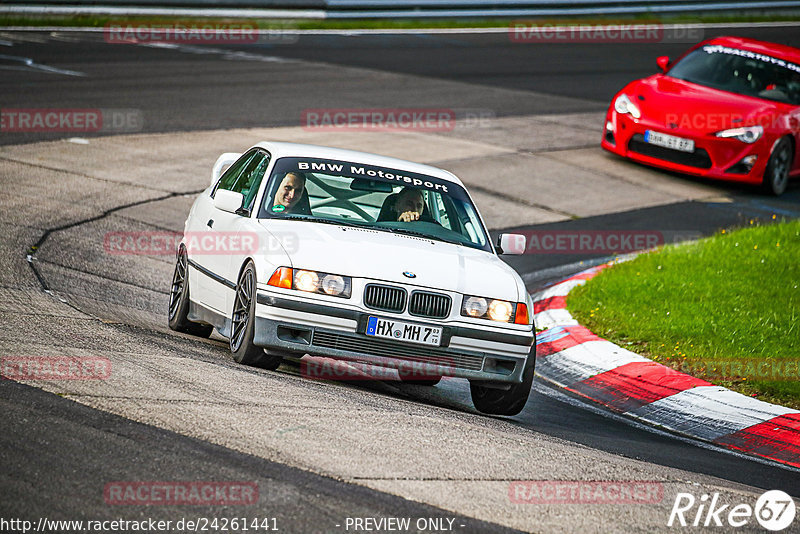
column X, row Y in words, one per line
column 305, row 250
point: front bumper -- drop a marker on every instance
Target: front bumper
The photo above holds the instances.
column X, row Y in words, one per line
column 303, row 327
column 713, row 157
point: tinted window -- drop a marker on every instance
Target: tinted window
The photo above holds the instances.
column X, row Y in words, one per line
column 250, row 179
column 229, row 177
column 742, row 72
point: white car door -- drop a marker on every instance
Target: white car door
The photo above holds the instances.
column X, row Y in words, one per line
column 199, row 231
column 196, row 227
column 231, row 242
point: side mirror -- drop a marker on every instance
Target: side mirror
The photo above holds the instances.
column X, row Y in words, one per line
column 663, row 63
column 513, row 244
column 225, row 160
column 229, row 201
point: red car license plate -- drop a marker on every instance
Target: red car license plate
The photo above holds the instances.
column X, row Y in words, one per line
column 668, row 141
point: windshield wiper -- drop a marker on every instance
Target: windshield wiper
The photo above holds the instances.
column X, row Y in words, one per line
column 323, row 220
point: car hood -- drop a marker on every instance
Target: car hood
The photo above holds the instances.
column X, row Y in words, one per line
column 385, row 256
column 682, row 105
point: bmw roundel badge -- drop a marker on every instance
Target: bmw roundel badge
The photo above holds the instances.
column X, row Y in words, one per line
column 409, row 274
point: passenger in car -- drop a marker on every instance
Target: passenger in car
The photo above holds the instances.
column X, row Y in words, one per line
column 291, row 196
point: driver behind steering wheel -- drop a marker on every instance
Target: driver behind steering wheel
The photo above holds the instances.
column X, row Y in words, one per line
column 409, row 205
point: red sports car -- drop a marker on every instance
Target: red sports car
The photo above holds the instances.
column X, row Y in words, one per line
column 729, row 108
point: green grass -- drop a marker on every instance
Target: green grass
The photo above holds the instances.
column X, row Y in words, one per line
column 95, row 21
column 734, row 297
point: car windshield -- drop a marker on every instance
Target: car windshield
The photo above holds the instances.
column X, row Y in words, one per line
column 742, row 72
column 355, row 194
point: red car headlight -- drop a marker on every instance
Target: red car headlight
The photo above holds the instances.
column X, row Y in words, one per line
column 745, row 134
column 625, row 105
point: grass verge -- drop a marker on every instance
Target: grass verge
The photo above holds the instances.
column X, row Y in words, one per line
column 725, row 309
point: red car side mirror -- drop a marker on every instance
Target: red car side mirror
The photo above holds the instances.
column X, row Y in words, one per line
column 663, row 63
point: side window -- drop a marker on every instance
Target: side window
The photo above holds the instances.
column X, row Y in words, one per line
column 250, row 180
column 229, row 177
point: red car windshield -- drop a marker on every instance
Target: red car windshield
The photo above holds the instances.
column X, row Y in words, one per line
column 742, row 72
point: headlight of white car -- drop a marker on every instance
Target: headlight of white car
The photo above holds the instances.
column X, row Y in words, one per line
column 745, row 134
column 495, row 310
column 625, row 105
column 312, row 282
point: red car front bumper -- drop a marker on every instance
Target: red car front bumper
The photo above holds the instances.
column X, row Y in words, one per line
column 713, row 157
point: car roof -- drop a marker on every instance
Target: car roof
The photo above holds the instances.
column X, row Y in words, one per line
column 784, row 52
column 281, row 149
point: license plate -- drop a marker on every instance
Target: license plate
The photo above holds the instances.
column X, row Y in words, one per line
column 401, row 331
column 668, row 141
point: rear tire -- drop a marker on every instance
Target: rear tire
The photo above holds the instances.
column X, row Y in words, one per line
column 776, row 175
column 243, row 324
column 505, row 401
column 178, row 311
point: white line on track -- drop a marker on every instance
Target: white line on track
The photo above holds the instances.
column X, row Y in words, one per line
column 227, row 54
column 26, row 63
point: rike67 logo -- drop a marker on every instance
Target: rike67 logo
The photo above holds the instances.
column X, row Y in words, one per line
column 774, row 510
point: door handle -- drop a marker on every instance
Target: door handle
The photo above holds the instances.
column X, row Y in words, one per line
column 210, row 223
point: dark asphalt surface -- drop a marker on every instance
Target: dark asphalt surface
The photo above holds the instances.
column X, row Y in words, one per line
column 57, row 457
column 209, row 87
column 55, row 453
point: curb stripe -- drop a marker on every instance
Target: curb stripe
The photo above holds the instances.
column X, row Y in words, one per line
column 708, row 412
column 586, row 274
column 635, row 384
column 583, row 361
column 561, row 338
column 558, row 290
column 550, row 303
column 554, row 318
column 776, row 438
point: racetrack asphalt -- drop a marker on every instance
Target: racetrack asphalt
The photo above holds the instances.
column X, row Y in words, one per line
column 73, row 451
column 402, row 440
column 209, row 87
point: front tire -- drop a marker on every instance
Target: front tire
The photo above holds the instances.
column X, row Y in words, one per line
column 511, row 401
column 178, row 312
column 776, row 175
column 243, row 324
